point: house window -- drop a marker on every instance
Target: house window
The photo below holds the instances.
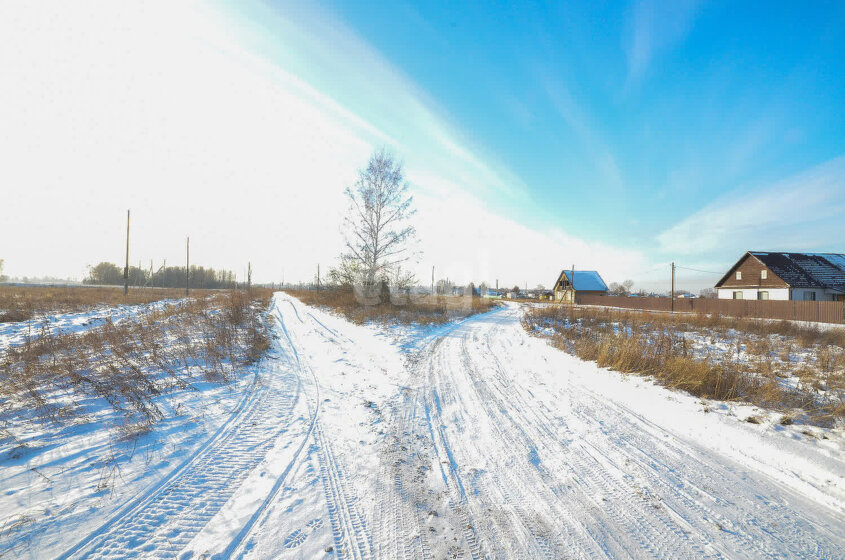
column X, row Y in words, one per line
column 738, row 275
column 763, row 296
column 809, row 296
column 737, row 295
column 764, row 274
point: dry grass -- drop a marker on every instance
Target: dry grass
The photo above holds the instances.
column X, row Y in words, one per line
column 21, row 303
column 128, row 365
column 401, row 308
column 710, row 357
column 806, row 334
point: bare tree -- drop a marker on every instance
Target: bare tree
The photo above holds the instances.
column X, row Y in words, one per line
column 622, row 289
column 402, row 280
column 376, row 226
column 347, row 273
column 444, row 286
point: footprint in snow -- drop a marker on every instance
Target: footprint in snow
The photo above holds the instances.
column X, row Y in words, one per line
column 298, row 536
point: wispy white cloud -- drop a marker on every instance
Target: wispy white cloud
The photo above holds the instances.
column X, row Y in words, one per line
column 802, row 212
column 656, row 27
column 576, row 117
column 313, row 44
column 240, row 135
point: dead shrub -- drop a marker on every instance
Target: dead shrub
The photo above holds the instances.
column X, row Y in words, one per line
column 131, row 364
column 750, row 370
column 397, row 308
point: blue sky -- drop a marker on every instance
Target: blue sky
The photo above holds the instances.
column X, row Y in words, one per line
column 623, row 119
column 617, row 137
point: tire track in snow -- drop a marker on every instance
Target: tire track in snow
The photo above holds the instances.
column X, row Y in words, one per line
column 400, row 534
column 668, row 469
column 623, row 510
column 164, row 523
column 683, row 491
column 648, row 527
column 350, row 529
column 246, row 404
column 240, row 543
column 165, row 520
column 421, row 440
column 586, row 479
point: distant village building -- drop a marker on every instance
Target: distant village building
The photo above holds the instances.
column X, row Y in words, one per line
column 785, row 276
column 585, row 282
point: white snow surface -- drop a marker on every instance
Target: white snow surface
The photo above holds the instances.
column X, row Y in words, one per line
column 467, row 440
column 13, row 334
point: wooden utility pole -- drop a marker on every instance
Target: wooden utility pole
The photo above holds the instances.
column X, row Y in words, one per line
column 673, row 287
column 318, row 276
column 126, row 268
column 432, row 279
column 188, row 266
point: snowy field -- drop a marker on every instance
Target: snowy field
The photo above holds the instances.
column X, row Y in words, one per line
column 795, row 369
column 466, row 440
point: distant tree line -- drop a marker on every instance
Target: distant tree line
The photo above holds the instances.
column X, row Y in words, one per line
column 110, row 274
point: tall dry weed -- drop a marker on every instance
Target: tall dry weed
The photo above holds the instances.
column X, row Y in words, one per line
column 756, row 355
column 129, row 365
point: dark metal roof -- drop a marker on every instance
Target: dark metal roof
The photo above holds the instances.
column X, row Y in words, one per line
column 586, row 280
column 806, row 270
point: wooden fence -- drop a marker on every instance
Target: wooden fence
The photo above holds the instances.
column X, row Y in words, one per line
column 817, row 311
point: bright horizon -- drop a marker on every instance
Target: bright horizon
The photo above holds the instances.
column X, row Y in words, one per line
column 532, row 139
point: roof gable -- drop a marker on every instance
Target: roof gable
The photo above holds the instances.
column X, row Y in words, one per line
column 585, row 280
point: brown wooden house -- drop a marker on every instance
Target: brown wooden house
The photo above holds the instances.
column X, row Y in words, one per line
column 765, row 275
column 578, row 282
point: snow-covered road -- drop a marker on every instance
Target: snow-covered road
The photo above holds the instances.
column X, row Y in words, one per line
column 538, row 464
column 474, row 440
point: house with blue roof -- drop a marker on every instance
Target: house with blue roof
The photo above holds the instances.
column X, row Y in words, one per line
column 572, row 283
column 767, row 275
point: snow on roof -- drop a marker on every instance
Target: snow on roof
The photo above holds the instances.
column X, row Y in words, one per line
column 806, row 270
column 586, row 280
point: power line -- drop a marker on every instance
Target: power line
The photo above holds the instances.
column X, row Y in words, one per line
column 699, row 270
